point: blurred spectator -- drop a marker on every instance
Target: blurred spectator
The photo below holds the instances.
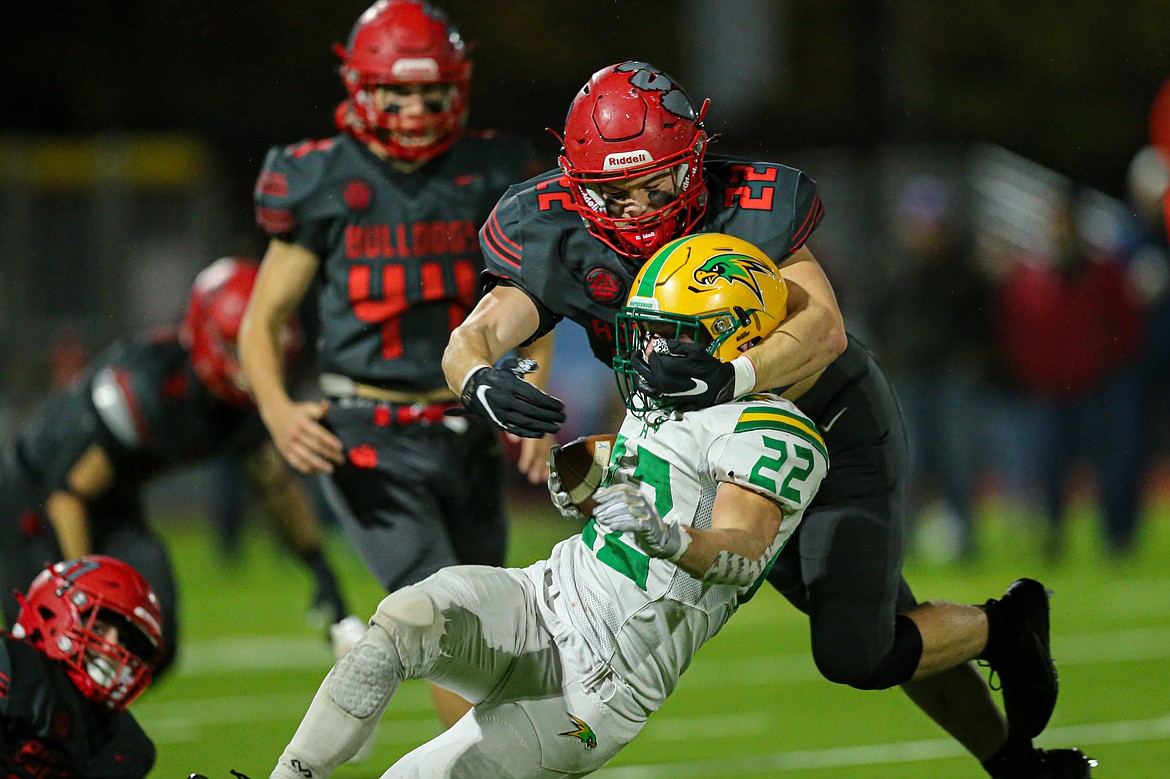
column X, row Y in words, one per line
column 932, row 323
column 1071, row 330
column 68, row 357
column 1148, row 181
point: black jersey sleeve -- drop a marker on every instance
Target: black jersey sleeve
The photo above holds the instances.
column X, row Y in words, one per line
column 503, row 240
column 774, row 206
column 289, row 177
column 807, row 211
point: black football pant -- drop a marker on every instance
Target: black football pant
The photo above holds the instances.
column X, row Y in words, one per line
column 843, row 567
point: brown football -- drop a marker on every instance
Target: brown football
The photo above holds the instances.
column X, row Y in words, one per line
column 581, row 463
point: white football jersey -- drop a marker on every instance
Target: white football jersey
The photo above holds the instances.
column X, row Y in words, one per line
column 643, row 616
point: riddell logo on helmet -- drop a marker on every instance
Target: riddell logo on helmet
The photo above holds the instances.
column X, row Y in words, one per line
column 415, row 69
column 627, row 160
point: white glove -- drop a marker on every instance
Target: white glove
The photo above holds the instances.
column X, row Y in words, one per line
column 623, row 507
column 560, row 498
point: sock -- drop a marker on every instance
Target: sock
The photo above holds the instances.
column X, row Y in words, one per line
column 327, row 589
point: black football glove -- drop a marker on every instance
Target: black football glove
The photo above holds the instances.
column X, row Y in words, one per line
column 512, row 404
column 683, row 376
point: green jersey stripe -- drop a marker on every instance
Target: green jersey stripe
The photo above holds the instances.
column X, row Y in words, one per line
column 777, row 419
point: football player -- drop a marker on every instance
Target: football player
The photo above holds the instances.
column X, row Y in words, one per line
column 84, row 646
column 72, row 483
column 566, row 659
column 385, row 215
column 634, row 174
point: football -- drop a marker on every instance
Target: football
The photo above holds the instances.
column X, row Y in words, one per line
column 581, row 463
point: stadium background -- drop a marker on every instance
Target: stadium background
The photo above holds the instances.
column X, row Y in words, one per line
column 130, row 136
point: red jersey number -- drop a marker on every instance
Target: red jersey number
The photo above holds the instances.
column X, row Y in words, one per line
column 742, row 196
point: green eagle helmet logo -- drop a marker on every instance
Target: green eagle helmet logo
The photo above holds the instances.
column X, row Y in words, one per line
column 733, row 268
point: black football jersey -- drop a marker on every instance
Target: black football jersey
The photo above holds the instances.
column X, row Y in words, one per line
column 142, row 402
column 400, row 256
column 534, row 242
column 48, row 730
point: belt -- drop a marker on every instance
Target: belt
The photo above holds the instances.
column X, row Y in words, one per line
column 335, row 385
column 386, row 414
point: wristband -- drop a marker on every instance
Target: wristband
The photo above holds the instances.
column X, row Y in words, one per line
column 684, row 542
column 467, row 376
column 745, row 376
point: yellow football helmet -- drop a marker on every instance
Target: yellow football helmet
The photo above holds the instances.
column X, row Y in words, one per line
column 717, row 290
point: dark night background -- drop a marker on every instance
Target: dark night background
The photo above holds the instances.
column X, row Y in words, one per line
column 1067, row 84
column 827, row 85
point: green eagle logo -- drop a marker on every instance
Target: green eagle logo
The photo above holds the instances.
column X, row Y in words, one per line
column 733, row 268
column 582, row 731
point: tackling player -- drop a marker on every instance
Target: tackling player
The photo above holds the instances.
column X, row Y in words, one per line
column 385, row 216
column 72, row 483
column 84, row 646
column 566, row 659
column 635, row 174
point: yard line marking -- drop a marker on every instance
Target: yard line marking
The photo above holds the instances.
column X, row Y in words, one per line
column 1123, row 732
column 269, row 653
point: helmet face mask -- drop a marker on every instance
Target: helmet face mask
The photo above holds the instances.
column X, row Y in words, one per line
column 629, row 122
column 715, row 290
column 396, row 47
column 100, row 619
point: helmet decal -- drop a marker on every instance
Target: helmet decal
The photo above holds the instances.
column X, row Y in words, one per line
column 646, row 76
column 733, row 268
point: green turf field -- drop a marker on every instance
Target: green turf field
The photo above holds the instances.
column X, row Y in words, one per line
column 752, row 705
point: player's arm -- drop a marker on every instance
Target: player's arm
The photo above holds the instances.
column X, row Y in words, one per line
column 68, row 508
column 503, row 319
column 734, row 550
column 285, row 275
column 812, row 334
column 533, row 460
column 283, row 497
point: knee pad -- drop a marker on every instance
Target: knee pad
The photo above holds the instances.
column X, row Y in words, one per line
column 413, row 625
column 365, row 677
column 894, row 668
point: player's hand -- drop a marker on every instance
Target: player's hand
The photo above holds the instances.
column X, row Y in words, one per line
column 302, row 439
column 623, row 507
column 512, row 404
column 533, row 459
column 560, row 497
column 681, row 375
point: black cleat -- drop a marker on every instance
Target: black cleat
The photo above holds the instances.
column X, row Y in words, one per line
column 1065, row 764
column 1042, row 764
column 1018, row 652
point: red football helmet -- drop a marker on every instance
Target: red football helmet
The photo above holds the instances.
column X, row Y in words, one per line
column 628, row 121
column 211, row 328
column 404, row 42
column 68, row 613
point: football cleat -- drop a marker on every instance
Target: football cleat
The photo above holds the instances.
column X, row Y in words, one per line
column 344, row 634
column 1018, row 652
column 1046, row 764
column 1066, row 764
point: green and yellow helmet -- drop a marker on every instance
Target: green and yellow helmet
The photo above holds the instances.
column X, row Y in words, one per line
column 717, row 290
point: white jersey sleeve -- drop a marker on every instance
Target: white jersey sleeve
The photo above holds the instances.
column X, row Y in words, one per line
column 770, row 447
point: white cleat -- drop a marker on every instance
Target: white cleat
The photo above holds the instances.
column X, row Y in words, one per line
column 345, row 634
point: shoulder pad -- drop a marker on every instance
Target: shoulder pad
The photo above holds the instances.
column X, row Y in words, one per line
column 288, row 176
column 113, row 396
